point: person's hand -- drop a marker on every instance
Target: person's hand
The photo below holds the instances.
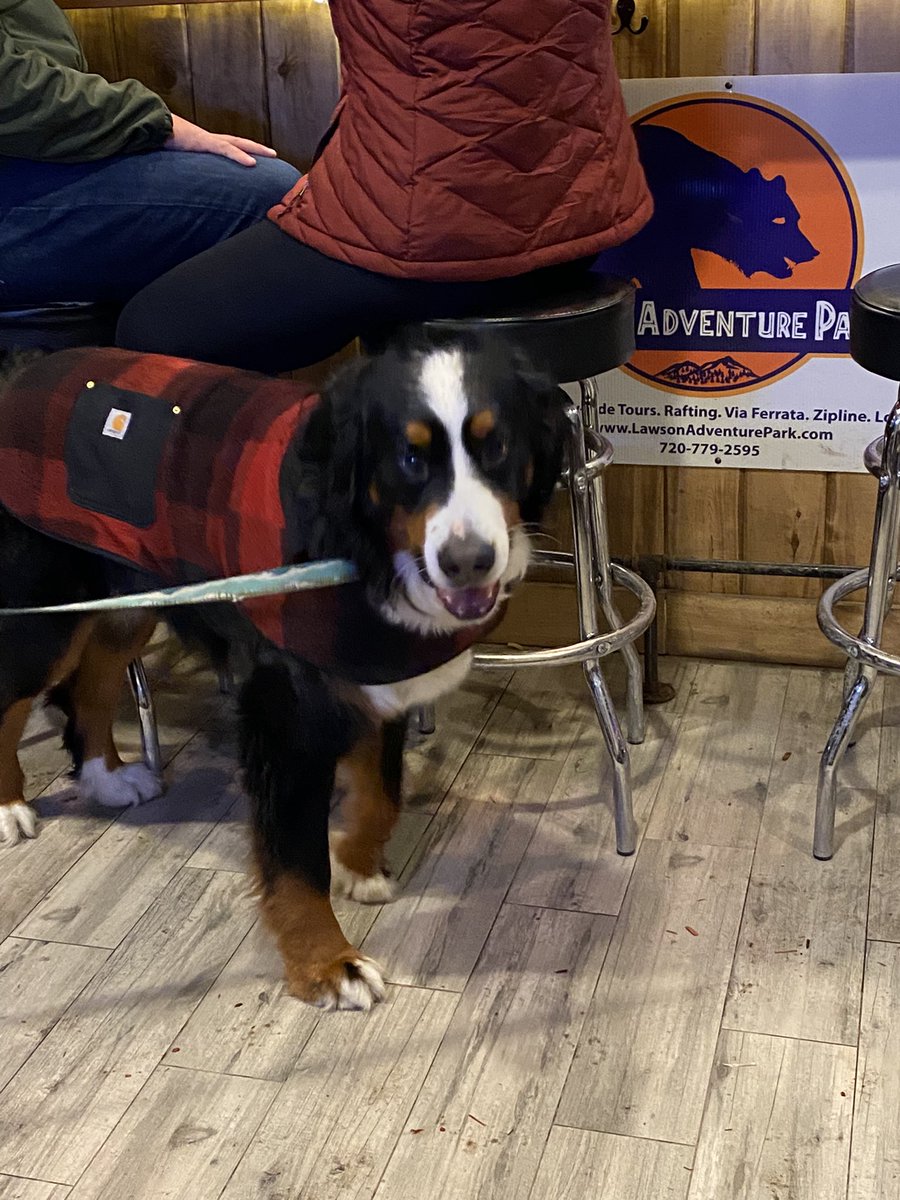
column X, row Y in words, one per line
column 187, row 136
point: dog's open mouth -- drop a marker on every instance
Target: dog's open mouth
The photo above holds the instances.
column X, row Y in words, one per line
column 469, row 604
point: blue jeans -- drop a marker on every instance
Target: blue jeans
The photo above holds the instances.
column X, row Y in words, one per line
column 103, row 230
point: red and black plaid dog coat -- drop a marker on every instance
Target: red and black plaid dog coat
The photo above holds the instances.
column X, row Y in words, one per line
column 174, row 467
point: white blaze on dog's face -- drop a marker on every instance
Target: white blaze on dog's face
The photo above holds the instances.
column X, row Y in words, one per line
column 470, row 429
column 467, row 538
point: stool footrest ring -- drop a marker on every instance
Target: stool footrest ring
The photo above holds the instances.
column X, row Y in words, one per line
column 851, row 644
column 594, row 647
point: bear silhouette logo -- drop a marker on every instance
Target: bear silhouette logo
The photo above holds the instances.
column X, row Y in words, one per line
column 755, row 231
column 705, row 202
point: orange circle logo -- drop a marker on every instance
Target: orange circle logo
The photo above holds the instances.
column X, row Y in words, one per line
column 746, row 267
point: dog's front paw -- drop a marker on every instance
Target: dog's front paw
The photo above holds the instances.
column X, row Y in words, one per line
column 352, row 982
column 126, row 787
column 377, row 888
column 17, row 820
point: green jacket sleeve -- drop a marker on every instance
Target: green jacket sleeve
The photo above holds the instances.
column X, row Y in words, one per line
column 54, row 112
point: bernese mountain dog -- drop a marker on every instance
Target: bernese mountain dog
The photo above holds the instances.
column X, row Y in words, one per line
column 426, row 465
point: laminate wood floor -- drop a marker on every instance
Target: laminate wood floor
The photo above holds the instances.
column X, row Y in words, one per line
column 715, row 1018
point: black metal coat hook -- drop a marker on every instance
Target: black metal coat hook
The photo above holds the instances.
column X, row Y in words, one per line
column 625, row 11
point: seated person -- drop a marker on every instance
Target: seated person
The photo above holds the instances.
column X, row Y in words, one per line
column 93, row 205
column 479, row 151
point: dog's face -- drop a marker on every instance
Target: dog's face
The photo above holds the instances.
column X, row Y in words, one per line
column 457, row 449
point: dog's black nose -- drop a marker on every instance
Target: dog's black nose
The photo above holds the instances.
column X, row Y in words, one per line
column 466, row 560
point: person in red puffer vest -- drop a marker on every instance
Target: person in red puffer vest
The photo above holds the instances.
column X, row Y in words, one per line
column 479, row 147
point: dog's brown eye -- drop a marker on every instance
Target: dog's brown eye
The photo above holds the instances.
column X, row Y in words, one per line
column 494, row 450
column 414, row 464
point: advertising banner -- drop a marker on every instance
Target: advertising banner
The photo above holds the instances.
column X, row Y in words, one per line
column 773, row 194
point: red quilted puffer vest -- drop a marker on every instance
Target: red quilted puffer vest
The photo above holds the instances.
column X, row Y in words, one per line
column 474, row 139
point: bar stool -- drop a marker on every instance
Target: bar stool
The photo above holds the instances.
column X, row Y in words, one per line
column 57, row 327
column 574, row 336
column 875, row 345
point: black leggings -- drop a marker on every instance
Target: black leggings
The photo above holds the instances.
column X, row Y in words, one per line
column 263, row 301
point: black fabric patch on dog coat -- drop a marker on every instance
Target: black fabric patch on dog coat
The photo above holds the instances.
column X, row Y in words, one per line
column 113, row 448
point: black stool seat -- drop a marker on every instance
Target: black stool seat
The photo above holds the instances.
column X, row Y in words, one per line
column 577, row 333
column 875, row 322
column 57, row 326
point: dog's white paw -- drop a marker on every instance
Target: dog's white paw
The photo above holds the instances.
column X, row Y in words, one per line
column 352, row 982
column 365, row 889
column 356, row 987
column 126, row 787
column 17, row 820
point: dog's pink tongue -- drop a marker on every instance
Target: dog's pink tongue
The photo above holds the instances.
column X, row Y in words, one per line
column 468, row 604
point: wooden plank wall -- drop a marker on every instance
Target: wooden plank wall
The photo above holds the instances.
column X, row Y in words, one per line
column 268, row 69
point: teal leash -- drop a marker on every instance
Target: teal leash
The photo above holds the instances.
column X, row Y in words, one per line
column 329, row 572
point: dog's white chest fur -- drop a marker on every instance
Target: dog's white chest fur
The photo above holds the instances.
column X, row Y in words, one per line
column 394, row 699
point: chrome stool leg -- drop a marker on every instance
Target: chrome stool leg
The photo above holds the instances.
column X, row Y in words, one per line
column 634, row 702
column 851, row 673
column 425, row 719
column 626, row 830
column 580, row 499
column 835, row 748
column 143, row 699
column 860, row 677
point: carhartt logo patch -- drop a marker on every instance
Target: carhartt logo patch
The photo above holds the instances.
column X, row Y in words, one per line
column 117, row 423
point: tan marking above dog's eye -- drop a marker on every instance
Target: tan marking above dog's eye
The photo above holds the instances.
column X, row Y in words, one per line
column 407, row 529
column 418, row 434
column 482, row 423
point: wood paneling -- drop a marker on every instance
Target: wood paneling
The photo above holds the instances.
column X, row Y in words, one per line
column 849, row 511
column 783, row 520
column 79, row 4
column 227, row 69
column 267, row 71
column 636, row 503
column 874, row 36
column 152, row 46
column 703, row 520
column 777, row 629
column 301, row 75
column 644, row 56
column 96, row 32
column 800, row 35
column 712, row 38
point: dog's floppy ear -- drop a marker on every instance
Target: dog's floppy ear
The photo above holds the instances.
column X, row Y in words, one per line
column 337, row 441
column 342, row 434
column 548, row 426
